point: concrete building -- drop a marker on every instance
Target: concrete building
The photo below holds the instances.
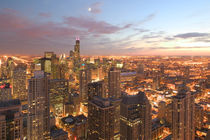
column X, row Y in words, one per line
column 38, row 107
column 19, row 82
column 135, row 117
column 11, row 120
column 100, row 119
column 183, row 116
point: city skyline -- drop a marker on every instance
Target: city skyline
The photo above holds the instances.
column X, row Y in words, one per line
column 105, row 27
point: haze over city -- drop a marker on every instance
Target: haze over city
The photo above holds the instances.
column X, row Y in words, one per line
column 106, row 27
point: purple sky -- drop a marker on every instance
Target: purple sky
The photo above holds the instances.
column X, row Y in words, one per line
column 145, row 27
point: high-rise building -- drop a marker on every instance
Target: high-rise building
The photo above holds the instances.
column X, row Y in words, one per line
column 49, row 64
column 162, row 69
column 58, row 92
column 114, row 92
column 72, row 107
column 74, row 55
column 199, row 116
column 19, row 82
column 187, row 72
column 161, row 110
column 135, row 117
column 77, row 49
column 58, row 134
column 76, row 126
column 140, row 69
column 183, row 116
column 5, row 92
column 84, row 79
column 96, row 89
column 38, row 126
column 11, row 120
column 100, row 119
column 156, row 82
column 114, row 83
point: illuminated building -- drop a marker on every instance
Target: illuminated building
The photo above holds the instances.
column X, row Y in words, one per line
column 84, row 79
column 127, row 76
column 58, row 90
column 114, row 83
column 97, row 73
column 58, row 134
column 140, row 70
column 38, row 126
column 156, row 83
column 115, row 93
column 75, row 126
column 49, row 64
column 74, row 55
column 19, row 82
column 157, row 129
column 161, row 110
column 72, row 107
column 5, row 92
column 77, row 50
column 135, row 117
column 187, row 72
column 199, row 116
column 162, row 69
column 183, row 116
column 96, row 89
column 11, row 120
column 100, row 119
column 9, row 68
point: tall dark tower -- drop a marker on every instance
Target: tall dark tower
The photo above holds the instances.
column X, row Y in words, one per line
column 77, row 49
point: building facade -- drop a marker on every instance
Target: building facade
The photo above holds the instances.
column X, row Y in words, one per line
column 38, row 107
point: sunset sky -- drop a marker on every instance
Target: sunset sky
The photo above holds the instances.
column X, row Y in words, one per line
column 105, row 27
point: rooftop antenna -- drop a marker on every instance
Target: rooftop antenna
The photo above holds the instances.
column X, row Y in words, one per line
column 77, row 38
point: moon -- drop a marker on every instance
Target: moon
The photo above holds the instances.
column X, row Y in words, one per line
column 89, row 9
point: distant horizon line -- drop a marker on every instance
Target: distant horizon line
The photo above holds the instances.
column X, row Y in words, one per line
column 104, row 55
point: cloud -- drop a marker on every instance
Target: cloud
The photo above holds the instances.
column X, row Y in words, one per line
column 147, row 18
column 18, row 33
column 178, row 47
column 92, row 25
column 45, row 15
column 96, row 7
column 191, row 35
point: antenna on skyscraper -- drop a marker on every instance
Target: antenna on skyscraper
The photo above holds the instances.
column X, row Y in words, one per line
column 77, row 38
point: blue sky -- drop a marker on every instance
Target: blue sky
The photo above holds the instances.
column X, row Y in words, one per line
column 106, row 27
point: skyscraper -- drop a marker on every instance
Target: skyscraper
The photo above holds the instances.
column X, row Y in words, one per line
column 38, row 107
column 49, row 64
column 77, row 49
column 115, row 94
column 135, row 117
column 114, row 83
column 58, row 92
column 11, row 120
column 140, row 69
column 84, row 79
column 183, row 116
column 162, row 69
column 19, row 82
column 96, row 89
column 100, row 119
column 5, row 92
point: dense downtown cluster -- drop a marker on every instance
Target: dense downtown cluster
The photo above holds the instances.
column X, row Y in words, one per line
column 79, row 97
